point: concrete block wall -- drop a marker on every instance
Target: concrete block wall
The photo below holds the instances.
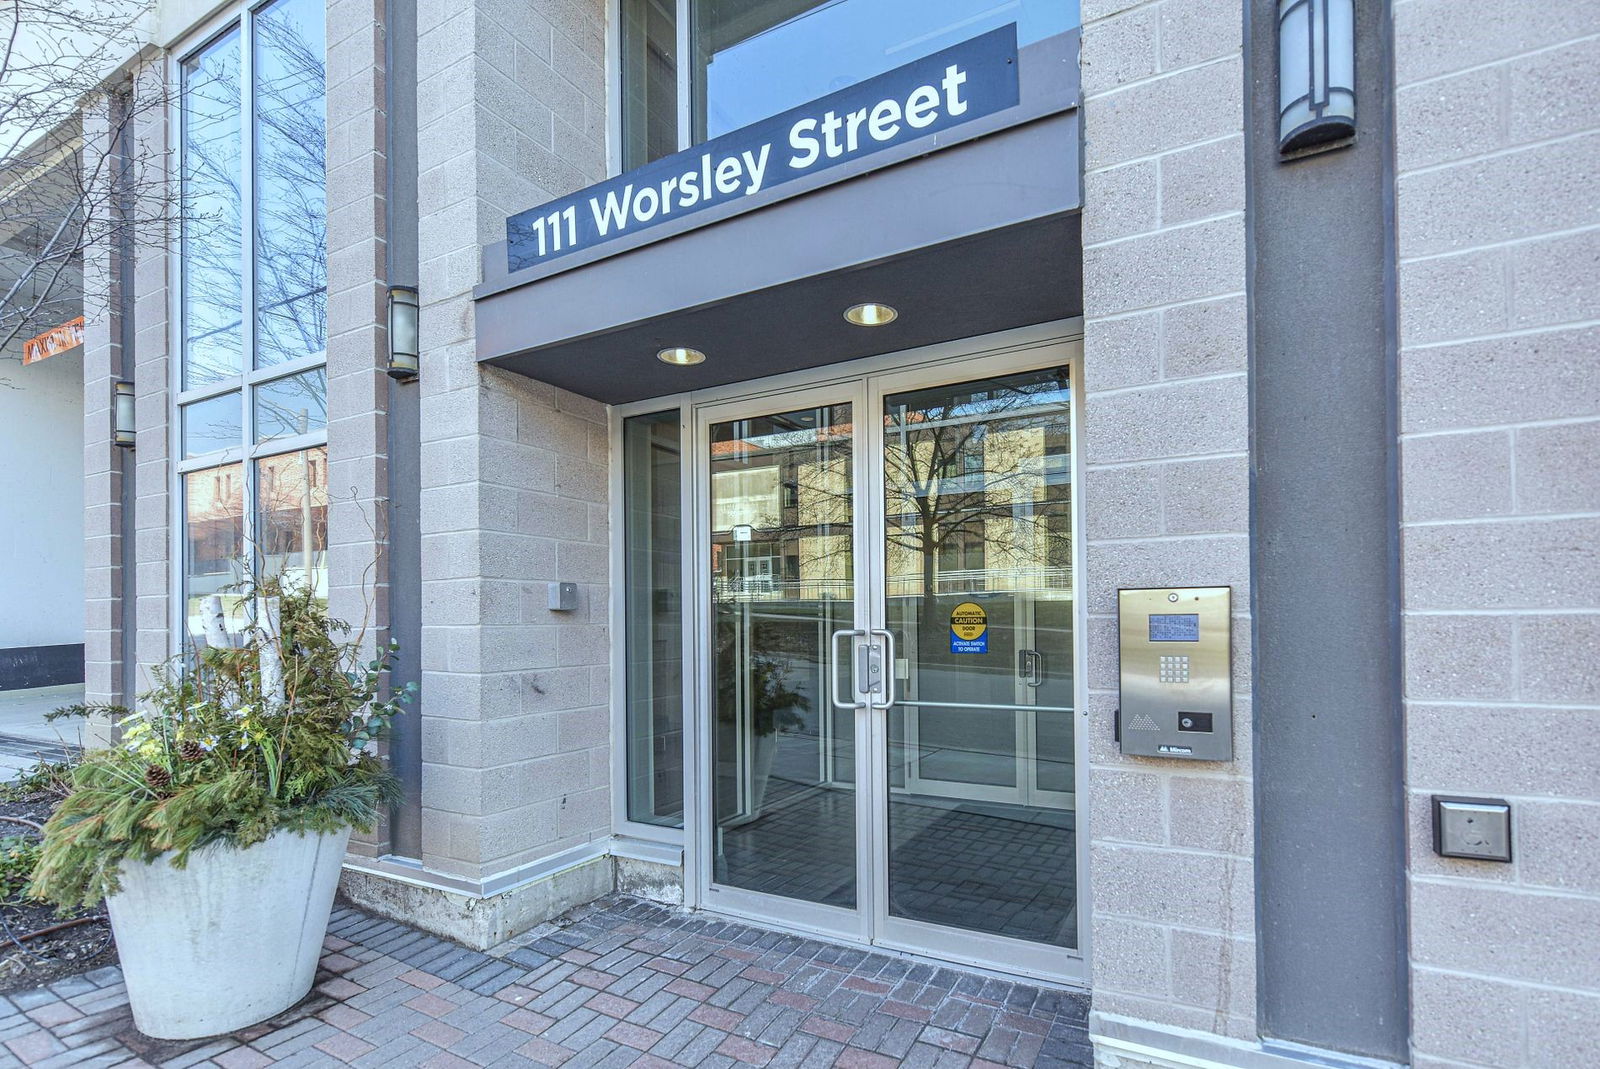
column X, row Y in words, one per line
column 516, row 747
column 357, row 313
column 156, row 619
column 358, row 340
column 1498, row 144
column 1167, row 483
column 103, row 463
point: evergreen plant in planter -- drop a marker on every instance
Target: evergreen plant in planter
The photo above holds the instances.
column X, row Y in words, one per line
column 215, row 829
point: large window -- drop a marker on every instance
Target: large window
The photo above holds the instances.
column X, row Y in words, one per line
column 252, row 410
column 751, row 59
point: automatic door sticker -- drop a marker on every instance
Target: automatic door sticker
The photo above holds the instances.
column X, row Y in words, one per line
column 969, row 628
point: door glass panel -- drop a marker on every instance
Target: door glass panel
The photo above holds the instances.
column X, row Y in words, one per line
column 652, row 472
column 978, row 594
column 782, row 581
column 1053, row 755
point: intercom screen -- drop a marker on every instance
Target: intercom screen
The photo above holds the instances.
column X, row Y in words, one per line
column 1175, row 627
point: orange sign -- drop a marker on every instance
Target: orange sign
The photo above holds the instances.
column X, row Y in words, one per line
column 53, row 342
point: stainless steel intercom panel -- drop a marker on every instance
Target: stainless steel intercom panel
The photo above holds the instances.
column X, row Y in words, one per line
column 1177, row 672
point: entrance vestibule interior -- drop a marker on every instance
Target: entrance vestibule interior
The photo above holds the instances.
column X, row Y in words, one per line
column 883, row 576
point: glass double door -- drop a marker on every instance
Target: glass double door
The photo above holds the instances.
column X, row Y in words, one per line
column 888, row 582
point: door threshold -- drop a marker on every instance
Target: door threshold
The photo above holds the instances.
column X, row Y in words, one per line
column 1053, row 982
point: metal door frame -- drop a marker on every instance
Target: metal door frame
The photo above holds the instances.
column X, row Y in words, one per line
column 1035, row 794
column 814, row 917
column 920, row 937
column 864, row 383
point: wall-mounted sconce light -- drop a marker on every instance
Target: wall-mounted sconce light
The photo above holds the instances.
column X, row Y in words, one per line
column 122, row 432
column 1316, row 74
column 404, row 342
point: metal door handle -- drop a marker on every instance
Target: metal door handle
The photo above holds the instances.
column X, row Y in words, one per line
column 866, row 661
column 833, row 671
column 1030, row 667
column 888, row 674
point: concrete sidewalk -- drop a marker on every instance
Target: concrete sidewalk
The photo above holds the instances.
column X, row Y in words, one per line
column 618, row 983
column 25, row 734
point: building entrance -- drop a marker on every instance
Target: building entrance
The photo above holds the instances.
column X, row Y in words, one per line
column 888, row 599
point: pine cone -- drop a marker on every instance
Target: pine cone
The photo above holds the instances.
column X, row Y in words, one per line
column 158, row 778
column 191, row 751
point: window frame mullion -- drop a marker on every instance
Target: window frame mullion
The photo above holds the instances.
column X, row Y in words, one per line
column 249, row 553
column 295, row 443
column 197, row 394
column 287, row 369
column 685, row 34
column 220, row 458
column 177, row 360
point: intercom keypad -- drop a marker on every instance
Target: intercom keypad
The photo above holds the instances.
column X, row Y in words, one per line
column 1176, row 672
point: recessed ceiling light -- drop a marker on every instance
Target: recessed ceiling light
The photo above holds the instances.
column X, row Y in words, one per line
column 871, row 315
column 681, row 356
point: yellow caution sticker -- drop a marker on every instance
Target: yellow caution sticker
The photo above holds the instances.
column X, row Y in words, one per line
column 969, row 628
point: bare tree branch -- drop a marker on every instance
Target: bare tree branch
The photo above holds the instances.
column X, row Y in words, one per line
column 62, row 193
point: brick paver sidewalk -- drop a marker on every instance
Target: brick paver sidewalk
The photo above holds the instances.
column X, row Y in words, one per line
column 618, row 983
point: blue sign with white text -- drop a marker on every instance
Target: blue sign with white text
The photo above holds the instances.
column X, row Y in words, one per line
column 951, row 87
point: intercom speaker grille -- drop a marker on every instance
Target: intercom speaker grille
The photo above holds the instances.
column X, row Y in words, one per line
column 1142, row 723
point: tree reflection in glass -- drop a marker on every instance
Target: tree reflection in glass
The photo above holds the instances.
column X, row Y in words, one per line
column 294, row 404
column 292, row 518
column 291, row 269
column 977, row 480
column 212, row 246
column 782, row 582
column 213, row 513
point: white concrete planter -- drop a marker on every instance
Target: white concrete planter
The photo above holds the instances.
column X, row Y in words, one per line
column 230, row 939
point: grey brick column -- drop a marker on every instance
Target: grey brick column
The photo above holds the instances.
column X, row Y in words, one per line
column 1166, row 491
column 157, row 618
column 104, row 465
column 1498, row 145
column 357, row 327
column 516, row 744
